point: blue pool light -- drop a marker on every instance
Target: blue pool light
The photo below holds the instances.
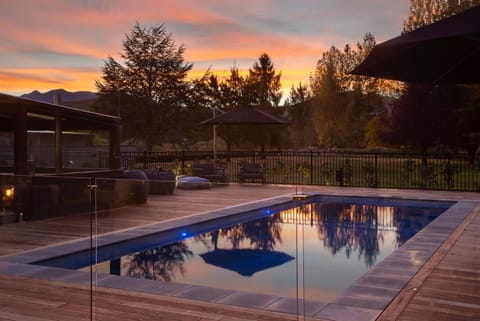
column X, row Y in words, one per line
column 268, row 212
column 184, row 234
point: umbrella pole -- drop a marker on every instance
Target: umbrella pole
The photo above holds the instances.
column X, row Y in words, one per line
column 214, row 140
column 214, row 145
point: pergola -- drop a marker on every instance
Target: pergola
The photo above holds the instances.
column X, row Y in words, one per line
column 19, row 115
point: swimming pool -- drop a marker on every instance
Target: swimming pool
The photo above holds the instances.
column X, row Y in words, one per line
column 320, row 246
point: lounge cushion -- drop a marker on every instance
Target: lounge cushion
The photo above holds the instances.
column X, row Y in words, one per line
column 192, row 182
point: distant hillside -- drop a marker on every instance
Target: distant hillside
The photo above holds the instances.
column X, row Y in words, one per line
column 81, row 104
column 78, row 99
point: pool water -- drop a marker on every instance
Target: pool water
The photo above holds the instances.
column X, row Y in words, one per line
column 317, row 248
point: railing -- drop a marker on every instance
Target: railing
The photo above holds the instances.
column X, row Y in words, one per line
column 357, row 169
column 42, row 159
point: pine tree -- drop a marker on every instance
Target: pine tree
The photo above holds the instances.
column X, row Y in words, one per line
column 151, row 85
column 265, row 82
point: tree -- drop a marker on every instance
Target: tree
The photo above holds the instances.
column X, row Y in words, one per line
column 344, row 103
column 329, row 100
column 424, row 12
column 261, row 89
column 299, row 94
column 265, row 83
column 204, row 95
column 377, row 130
column 299, row 106
column 151, row 86
column 233, row 91
column 367, row 100
column 230, row 94
column 423, row 115
column 469, row 122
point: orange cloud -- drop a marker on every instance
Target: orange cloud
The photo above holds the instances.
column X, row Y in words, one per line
column 47, row 79
column 63, row 43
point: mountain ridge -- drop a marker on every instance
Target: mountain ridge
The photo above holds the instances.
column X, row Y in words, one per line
column 79, row 99
column 65, row 95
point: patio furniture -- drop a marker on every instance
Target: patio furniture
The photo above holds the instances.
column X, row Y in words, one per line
column 133, row 186
column 210, row 171
column 252, row 171
column 193, row 182
column 160, row 181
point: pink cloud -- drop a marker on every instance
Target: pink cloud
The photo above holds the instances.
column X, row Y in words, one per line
column 215, row 33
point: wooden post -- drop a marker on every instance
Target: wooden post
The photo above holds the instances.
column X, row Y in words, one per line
column 58, row 145
column 21, row 141
column 114, row 160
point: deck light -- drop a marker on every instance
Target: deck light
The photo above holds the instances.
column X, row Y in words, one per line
column 299, row 197
column 8, row 194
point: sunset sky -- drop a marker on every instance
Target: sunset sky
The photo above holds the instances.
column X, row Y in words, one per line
column 49, row 44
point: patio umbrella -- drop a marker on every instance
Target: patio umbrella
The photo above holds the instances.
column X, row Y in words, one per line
column 245, row 115
column 246, row 262
column 444, row 52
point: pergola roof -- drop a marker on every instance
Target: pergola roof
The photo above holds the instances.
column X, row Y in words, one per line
column 20, row 115
column 41, row 116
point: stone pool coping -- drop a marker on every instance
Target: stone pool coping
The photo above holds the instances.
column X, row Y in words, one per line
column 365, row 299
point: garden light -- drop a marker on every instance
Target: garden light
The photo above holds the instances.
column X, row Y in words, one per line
column 8, row 194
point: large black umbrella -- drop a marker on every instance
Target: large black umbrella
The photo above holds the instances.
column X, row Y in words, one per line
column 444, row 52
column 246, row 262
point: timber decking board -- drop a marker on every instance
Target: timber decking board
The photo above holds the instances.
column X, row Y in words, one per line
column 451, row 290
column 26, row 298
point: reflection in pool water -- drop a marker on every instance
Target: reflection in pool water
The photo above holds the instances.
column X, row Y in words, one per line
column 329, row 245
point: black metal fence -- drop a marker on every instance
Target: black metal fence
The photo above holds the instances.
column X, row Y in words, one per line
column 359, row 169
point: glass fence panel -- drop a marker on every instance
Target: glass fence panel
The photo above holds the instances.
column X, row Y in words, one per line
column 119, row 209
column 82, row 238
column 41, row 217
column 144, row 245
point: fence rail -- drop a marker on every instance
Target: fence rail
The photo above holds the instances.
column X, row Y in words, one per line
column 358, row 169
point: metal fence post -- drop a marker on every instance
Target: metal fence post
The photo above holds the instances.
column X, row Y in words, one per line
column 183, row 160
column 448, row 169
column 311, row 167
column 145, row 159
column 376, row 170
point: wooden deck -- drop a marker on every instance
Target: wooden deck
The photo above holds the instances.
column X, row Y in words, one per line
column 446, row 288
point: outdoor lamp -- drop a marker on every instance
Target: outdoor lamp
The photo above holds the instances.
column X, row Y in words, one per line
column 8, row 194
